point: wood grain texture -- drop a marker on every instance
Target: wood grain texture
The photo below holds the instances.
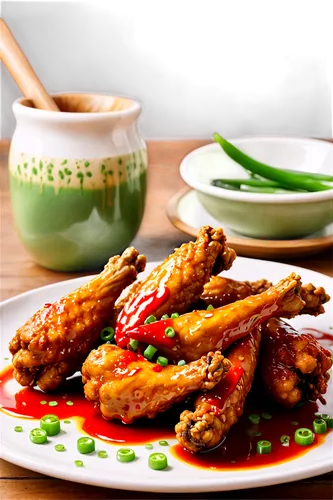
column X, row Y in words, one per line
column 156, row 238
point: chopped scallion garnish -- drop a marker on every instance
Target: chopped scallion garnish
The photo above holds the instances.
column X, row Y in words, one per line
column 304, row 436
column 149, row 352
column 170, row 332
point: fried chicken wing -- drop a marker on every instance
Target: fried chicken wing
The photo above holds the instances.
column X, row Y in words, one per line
column 176, row 283
column 54, row 342
column 128, row 387
column 195, row 333
column 293, row 367
column 217, row 410
column 220, row 291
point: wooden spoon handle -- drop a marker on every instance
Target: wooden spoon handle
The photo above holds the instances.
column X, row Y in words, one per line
column 19, row 67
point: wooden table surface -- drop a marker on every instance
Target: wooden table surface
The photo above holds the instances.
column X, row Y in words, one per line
column 156, row 239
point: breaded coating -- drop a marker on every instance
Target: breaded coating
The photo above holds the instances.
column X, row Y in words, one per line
column 127, row 386
column 217, row 410
column 200, row 331
column 54, row 342
column 177, row 282
column 293, row 367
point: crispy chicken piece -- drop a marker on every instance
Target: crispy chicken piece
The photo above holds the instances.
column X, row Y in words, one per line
column 314, row 299
column 128, row 387
column 176, row 283
column 220, row 291
column 54, row 342
column 197, row 332
column 217, row 410
column 293, row 367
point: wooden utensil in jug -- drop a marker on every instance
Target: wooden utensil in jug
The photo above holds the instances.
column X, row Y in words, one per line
column 19, row 67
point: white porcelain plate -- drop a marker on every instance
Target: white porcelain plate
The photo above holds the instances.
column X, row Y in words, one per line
column 179, row 477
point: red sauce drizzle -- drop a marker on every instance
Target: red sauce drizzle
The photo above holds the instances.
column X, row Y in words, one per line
column 244, row 327
column 157, row 368
column 218, row 396
column 154, row 334
column 26, row 403
column 128, row 357
column 137, row 310
column 238, row 451
column 239, row 446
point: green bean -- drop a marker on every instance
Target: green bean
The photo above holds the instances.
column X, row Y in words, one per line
column 286, row 179
column 250, row 185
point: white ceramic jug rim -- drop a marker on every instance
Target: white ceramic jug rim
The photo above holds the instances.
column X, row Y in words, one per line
column 131, row 107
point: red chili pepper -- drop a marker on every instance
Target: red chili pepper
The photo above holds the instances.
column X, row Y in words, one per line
column 136, row 311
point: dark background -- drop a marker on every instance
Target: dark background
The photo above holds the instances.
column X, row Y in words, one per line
column 195, row 67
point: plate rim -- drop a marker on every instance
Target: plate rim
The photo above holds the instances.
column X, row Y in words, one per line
column 249, row 247
column 211, row 484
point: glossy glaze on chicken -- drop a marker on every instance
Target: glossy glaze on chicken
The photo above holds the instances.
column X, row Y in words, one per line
column 224, row 333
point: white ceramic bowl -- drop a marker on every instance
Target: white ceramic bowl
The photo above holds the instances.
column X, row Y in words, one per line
column 271, row 216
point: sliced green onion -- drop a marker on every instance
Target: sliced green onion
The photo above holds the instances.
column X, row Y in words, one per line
column 264, row 447
column 85, row 445
column 102, row 454
column 150, row 319
column 254, row 418
column 50, row 424
column 134, row 344
column 59, row 447
column 319, row 426
column 329, row 422
column 69, row 403
column 182, row 362
column 165, row 316
column 53, row 403
column 107, row 334
column 174, row 315
column 161, row 360
column 210, row 307
column 169, row 331
column 149, row 446
column 149, row 352
column 67, row 421
column 294, row 422
column 324, row 416
column 285, row 440
column 43, row 402
column 78, row 463
column 38, row 436
column 304, row 436
column 266, row 416
column 157, row 461
column 125, row 455
column 163, row 443
column 18, row 428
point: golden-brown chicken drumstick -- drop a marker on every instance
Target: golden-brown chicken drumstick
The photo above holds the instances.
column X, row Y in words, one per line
column 220, row 291
column 54, row 342
column 128, row 387
column 176, row 283
column 217, row 410
column 293, row 367
column 205, row 427
column 195, row 333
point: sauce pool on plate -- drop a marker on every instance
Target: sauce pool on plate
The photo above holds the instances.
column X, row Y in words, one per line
column 238, row 451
